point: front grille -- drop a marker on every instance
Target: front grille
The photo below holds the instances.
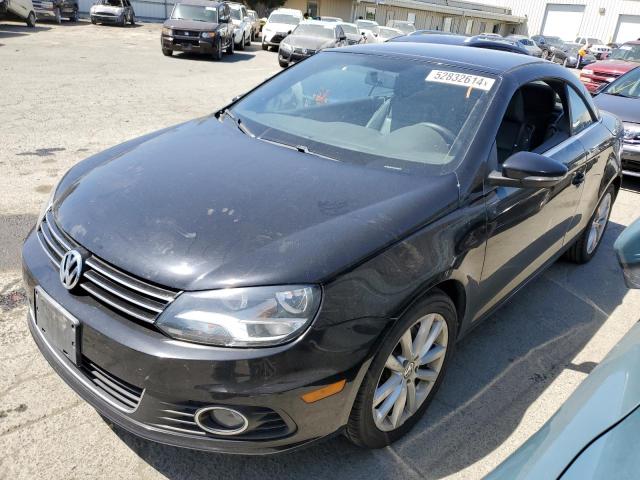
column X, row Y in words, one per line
column 186, row 33
column 264, row 423
column 113, row 288
column 105, row 14
column 186, row 41
column 123, row 393
column 303, row 51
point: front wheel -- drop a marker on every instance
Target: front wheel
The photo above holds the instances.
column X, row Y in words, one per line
column 31, row 20
column 265, row 46
column 586, row 245
column 231, row 47
column 132, row 19
column 241, row 44
column 217, row 51
column 405, row 373
column 283, row 64
column 74, row 16
column 248, row 40
column 167, row 52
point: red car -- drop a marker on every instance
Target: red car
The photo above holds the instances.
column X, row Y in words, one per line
column 606, row 71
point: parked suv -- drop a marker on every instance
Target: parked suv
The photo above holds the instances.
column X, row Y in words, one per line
column 598, row 47
column 57, row 9
column 22, row 9
column 279, row 24
column 199, row 26
column 112, row 11
column 606, row 71
column 243, row 25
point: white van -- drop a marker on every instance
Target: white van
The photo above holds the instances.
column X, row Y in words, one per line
column 279, row 24
column 22, row 9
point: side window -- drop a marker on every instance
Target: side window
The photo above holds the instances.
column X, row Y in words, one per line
column 580, row 115
column 244, row 12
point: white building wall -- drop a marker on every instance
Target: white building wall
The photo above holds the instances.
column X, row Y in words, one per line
column 594, row 23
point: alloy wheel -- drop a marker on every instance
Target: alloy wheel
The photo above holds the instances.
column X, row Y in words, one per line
column 410, row 372
column 599, row 223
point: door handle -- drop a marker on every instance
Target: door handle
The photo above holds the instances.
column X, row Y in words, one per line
column 578, row 178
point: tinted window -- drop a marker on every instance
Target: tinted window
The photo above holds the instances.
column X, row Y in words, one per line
column 311, row 30
column 283, row 18
column 377, row 111
column 580, row 116
column 195, row 12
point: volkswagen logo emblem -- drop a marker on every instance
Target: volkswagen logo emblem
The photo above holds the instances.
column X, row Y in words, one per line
column 71, row 269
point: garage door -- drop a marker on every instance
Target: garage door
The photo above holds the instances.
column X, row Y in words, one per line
column 628, row 28
column 562, row 21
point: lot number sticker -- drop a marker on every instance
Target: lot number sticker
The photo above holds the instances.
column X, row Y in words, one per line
column 461, row 79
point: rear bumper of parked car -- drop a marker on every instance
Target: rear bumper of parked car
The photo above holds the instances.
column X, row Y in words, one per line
column 166, row 381
column 631, row 159
column 187, row 44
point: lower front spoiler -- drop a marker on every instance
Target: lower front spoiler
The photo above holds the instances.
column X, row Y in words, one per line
column 74, row 379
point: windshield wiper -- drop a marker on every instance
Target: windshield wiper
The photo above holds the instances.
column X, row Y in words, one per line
column 299, row 148
column 237, row 121
column 620, row 95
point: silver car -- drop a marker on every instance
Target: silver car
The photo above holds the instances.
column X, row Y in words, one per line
column 119, row 12
column 527, row 43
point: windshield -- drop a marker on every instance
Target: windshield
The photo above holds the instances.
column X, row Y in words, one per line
column 236, row 13
column 526, row 42
column 404, row 27
column 194, row 12
column 371, row 110
column 626, row 86
column 111, row 3
column 388, row 32
column 347, row 28
column 367, row 24
column 627, row 52
column 555, row 41
column 311, row 30
column 282, row 18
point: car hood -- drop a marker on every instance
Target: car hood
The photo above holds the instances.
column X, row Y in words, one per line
column 279, row 27
column 107, row 9
column 626, row 109
column 606, row 396
column 613, row 66
column 190, row 25
column 203, row 206
column 314, row 43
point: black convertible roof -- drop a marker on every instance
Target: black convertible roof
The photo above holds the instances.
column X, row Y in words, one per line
column 490, row 61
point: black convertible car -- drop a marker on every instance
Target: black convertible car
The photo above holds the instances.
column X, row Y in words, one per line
column 303, row 262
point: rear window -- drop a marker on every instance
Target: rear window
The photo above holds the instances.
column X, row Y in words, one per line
column 376, row 111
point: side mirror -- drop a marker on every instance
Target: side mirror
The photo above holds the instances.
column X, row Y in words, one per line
column 627, row 247
column 342, row 38
column 289, row 32
column 529, row 170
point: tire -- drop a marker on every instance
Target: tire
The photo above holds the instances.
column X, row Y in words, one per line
column 122, row 22
column 167, row 52
column 31, row 20
column 265, row 46
column 231, row 48
column 240, row 46
column 436, row 309
column 283, row 64
column 217, row 53
column 57, row 16
column 132, row 20
column 93, row 20
column 586, row 245
column 74, row 16
column 248, row 40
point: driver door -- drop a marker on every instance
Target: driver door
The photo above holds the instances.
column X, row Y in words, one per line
column 527, row 226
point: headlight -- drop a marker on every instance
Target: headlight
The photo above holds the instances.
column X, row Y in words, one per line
column 208, row 34
column 241, row 317
column 286, row 47
column 46, row 206
column 631, row 132
column 167, row 31
column 586, row 71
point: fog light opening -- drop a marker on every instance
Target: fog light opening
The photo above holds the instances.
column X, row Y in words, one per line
column 221, row 421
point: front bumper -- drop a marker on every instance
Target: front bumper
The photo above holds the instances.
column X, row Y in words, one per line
column 100, row 18
column 631, row 160
column 173, row 379
column 294, row 56
column 188, row 44
column 273, row 39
